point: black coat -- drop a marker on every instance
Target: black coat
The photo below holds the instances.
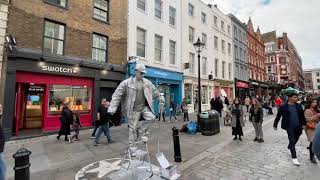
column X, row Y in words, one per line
column 284, row 113
column 258, row 117
column 66, row 120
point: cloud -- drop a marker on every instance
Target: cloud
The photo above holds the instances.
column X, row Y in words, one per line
column 296, row 17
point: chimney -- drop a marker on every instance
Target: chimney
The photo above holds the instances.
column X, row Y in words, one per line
column 216, row 6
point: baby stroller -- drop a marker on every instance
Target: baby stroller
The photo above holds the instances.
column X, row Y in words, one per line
column 227, row 118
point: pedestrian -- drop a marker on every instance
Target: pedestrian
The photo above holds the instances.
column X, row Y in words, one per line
column 226, row 101
column 237, row 121
column 96, row 126
column 316, row 142
column 173, row 110
column 3, row 167
column 162, row 108
column 103, row 117
column 184, row 107
column 76, row 125
column 66, row 119
column 256, row 117
column 293, row 121
column 212, row 104
column 137, row 96
column 247, row 102
column 218, row 106
column 312, row 115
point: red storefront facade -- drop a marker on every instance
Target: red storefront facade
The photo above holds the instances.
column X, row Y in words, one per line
column 50, row 89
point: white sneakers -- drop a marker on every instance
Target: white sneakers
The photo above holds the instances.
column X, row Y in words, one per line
column 295, row 162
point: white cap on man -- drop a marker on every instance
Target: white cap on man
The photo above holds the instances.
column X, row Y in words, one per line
column 141, row 67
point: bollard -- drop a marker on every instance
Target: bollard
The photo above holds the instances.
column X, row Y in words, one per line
column 176, row 144
column 22, row 164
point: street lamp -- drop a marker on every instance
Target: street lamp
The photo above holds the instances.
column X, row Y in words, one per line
column 198, row 46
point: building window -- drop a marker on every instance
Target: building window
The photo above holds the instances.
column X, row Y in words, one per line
column 229, row 48
column 53, row 40
column 79, row 98
column 141, row 42
column 99, row 48
column 204, row 66
column 158, row 9
column 216, row 42
column 191, row 34
column 318, row 80
column 222, row 25
column 318, row 74
column 62, row 3
column 236, row 51
column 188, row 93
column 190, row 9
column 203, row 17
column 158, row 48
column 101, row 10
column 141, row 4
column 172, row 16
column 229, row 29
column 242, row 73
column 223, row 46
column 191, row 62
column 204, row 95
column 172, row 46
column 229, row 70
column 240, row 53
column 204, row 39
column 215, row 21
column 216, row 62
column 223, row 69
column 235, row 32
column 318, row 87
column 236, row 72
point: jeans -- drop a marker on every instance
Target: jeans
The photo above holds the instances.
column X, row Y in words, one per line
column 258, row 129
column 95, row 129
column 293, row 136
column 185, row 116
column 103, row 129
column 3, row 168
column 173, row 113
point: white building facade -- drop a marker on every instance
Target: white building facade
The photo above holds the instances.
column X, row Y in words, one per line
column 216, row 62
column 316, row 80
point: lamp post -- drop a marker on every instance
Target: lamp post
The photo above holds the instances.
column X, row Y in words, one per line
column 198, row 46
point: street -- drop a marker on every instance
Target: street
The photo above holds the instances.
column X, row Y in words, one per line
column 251, row 160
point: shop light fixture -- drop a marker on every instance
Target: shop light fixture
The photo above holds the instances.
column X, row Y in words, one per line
column 104, row 71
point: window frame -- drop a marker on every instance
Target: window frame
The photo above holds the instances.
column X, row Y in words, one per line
column 204, row 40
column 106, row 50
column 64, row 35
column 229, row 70
column 161, row 48
column 175, row 15
column 222, row 26
column 108, row 15
column 173, row 53
column 192, row 63
column 216, row 43
column 229, row 49
column 191, row 5
column 57, row 5
column 145, row 42
column 223, row 46
column 145, row 5
column 223, row 65
column 203, row 18
column 193, row 34
column 161, row 9
column 216, row 63
column 215, row 21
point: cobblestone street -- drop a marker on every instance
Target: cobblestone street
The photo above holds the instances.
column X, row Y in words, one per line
column 251, row 160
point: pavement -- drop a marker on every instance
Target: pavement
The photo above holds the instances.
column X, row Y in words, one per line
column 248, row 160
column 58, row 160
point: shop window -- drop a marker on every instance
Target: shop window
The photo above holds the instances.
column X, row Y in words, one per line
column 204, row 95
column 101, row 10
column 78, row 97
column 188, row 93
column 62, row 3
column 99, row 48
column 53, row 40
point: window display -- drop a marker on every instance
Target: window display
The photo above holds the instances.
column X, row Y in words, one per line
column 78, row 97
column 187, row 92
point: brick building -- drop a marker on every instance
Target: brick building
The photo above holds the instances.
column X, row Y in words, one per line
column 256, row 61
column 4, row 5
column 67, row 52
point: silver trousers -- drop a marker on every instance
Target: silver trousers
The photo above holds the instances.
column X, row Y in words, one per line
column 136, row 128
column 258, row 129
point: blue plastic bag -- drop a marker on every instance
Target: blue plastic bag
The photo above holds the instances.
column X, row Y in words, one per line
column 192, row 127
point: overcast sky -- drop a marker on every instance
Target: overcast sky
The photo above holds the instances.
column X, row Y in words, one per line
column 299, row 18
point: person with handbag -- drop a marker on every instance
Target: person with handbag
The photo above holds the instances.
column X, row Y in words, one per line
column 312, row 115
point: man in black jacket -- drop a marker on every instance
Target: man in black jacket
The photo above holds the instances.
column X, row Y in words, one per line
column 293, row 121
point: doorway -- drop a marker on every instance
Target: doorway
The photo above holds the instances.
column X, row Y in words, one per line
column 29, row 109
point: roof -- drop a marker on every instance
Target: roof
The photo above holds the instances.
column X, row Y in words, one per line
column 269, row 37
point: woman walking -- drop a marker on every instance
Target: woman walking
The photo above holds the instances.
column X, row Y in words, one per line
column 76, row 125
column 237, row 119
column 256, row 117
column 247, row 102
column 312, row 115
column 66, row 119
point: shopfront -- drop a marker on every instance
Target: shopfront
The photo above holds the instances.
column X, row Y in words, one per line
column 35, row 92
column 258, row 88
column 167, row 82
column 241, row 89
column 223, row 87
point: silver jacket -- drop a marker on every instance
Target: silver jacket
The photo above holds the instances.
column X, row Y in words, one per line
column 126, row 94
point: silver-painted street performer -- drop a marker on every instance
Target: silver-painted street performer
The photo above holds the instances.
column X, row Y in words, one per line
column 136, row 95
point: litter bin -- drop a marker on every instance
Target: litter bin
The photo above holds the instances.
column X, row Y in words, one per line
column 215, row 117
column 208, row 123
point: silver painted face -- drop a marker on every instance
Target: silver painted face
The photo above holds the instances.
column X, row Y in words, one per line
column 139, row 75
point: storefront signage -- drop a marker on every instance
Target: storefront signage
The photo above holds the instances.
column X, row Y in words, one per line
column 242, row 85
column 255, row 83
column 58, row 69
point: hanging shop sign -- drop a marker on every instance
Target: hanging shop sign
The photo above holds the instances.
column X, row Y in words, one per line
column 242, row 85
